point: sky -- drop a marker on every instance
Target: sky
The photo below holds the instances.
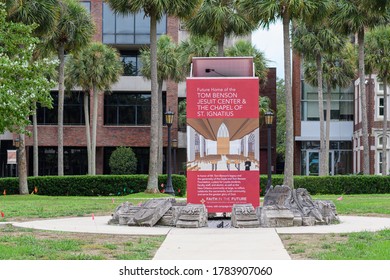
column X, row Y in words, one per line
column 270, row 42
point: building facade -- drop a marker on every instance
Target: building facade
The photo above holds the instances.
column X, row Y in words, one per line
column 307, row 126
column 375, row 113
column 123, row 113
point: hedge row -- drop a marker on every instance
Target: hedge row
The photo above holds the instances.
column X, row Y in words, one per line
column 128, row 184
column 348, row 184
column 91, row 185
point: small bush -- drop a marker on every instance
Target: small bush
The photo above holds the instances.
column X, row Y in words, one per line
column 123, row 161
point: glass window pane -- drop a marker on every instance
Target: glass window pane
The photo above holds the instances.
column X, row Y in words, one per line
column 108, row 19
column 124, row 24
column 127, row 115
column 125, row 39
column 143, row 115
column 110, row 115
column 142, row 24
column 142, row 39
column 86, row 5
column 162, row 25
column 109, row 39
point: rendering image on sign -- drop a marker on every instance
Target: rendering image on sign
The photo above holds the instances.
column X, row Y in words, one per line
column 222, row 142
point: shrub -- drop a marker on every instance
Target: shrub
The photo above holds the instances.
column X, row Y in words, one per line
column 123, row 161
column 91, row 185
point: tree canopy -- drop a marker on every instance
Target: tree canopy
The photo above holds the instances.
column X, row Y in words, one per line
column 22, row 80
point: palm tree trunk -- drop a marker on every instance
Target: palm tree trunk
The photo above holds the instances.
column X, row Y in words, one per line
column 327, row 138
column 153, row 156
column 61, row 57
column 160, row 128
column 363, row 101
column 323, row 158
column 35, row 142
column 221, row 42
column 22, row 165
column 88, row 132
column 94, row 129
column 289, row 156
column 384, row 158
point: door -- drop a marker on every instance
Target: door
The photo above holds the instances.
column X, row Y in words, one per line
column 313, row 160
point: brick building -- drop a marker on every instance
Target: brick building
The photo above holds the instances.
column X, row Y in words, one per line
column 124, row 112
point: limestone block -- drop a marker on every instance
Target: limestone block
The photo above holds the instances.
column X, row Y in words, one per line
column 120, row 209
column 192, row 216
column 308, row 221
column 152, row 211
column 170, row 217
column 244, row 216
column 275, row 217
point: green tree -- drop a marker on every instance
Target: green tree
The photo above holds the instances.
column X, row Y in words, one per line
column 338, row 70
column 95, row 69
column 73, row 31
column 377, row 50
column 196, row 46
column 355, row 16
column 266, row 12
column 245, row 48
column 155, row 9
column 219, row 19
column 168, row 67
column 23, row 82
column 123, row 161
column 313, row 42
column 44, row 13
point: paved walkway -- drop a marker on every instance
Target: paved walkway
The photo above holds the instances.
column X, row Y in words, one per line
column 211, row 243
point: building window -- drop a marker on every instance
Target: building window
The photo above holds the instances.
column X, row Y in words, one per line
column 131, row 29
column 128, row 108
column 86, row 5
column 341, row 106
column 75, row 161
column 381, row 106
column 73, row 110
column 131, row 63
column 381, row 87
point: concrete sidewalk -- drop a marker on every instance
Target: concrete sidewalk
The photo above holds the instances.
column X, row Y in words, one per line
column 211, row 243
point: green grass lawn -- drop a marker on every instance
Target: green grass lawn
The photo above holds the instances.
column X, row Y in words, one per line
column 37, row 206
column 360, row 204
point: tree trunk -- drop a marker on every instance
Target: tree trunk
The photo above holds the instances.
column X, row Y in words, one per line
column 384, row 138
column 35, row 142
column 323, row 157
column 160, row 128
column 289, row 155
column 363, row 101
column 22, row 165
column 153, row 156
column 327, row 138
column 61, row 57
column 88, row 132
column 94, row 130
column 221, row 42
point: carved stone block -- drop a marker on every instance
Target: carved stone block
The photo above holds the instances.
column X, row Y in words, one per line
column 121, row 209
column 244, row 216
column 308, row 221
column 277, row 196
column 152, row 211
column 170, row 217
column 271, row 216
column 192, row 216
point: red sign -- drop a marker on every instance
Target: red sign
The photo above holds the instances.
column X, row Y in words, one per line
column 223, row 142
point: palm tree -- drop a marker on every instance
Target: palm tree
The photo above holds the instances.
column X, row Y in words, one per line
column 314, row 41
column 155, row 10
column 267, row 12
column 338, row 69
column 218, row 19
column 73, row 31
column 355, row 16
column 95, row 68
column 196, row 46
column 168, row 67
column 44, row 13
column 245, row 48
column 377, row 51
